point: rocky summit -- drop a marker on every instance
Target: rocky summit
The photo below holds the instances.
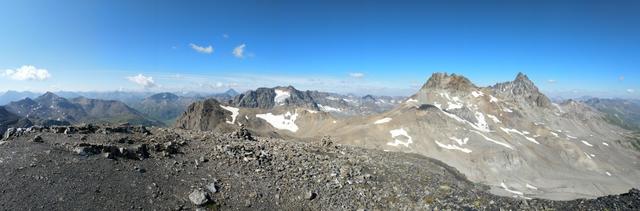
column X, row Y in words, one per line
column 130, row 167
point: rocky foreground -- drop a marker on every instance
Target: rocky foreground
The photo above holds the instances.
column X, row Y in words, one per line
column 125, row 167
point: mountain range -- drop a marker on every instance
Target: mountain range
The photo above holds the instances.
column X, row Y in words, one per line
column 509, row 136
column 50, row 106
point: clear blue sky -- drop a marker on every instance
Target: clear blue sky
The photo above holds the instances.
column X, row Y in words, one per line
column 379, row 47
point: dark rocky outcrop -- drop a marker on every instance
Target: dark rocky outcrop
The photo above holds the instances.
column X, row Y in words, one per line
column 204, row 115
column 264, row 98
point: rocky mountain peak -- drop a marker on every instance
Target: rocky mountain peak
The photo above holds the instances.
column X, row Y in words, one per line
column 231, row 92
column 48, row 96
column 522, row 88
column 267, row 98
column 445, row 81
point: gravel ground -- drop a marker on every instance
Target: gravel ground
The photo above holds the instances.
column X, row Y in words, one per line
column 126, row 168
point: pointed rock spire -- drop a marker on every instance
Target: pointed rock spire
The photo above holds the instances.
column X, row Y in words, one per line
column 522, row 88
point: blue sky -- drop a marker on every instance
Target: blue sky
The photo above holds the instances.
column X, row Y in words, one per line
column 569, row 48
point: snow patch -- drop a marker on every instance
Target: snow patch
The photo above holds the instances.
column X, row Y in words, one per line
column 608, row 174
column 453, row 147
column 507, row 110
column 509, row 190
column 234, row 113
column 492, row 99
column 382, row 121
column 571, row 137
column 477, row 93
column 605, row 143
column 400, row 132
column 531, row 187
column 312, row 111
column 587, row 143
column 524, row 133
column 454, row 105
column 281, row 96
column 494, row 118
column 481, row 122
column 412, row 100
column 329, row 108
column 491, row 140
column 282, row 121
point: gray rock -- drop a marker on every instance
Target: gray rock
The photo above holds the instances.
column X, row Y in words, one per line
column 198, row 197
column 310, row 195
column 37, row 139
column 212, row 187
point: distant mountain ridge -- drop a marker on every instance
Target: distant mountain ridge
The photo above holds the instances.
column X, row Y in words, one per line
column 78, row 110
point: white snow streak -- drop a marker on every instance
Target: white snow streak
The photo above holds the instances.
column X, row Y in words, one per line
column 491, row 140
column 494, row 118
column 382, row 121
column 509, row 190
column 509, row 131
column 587, row 143
column 453, row 147
column 531, row 187
column 329, row 108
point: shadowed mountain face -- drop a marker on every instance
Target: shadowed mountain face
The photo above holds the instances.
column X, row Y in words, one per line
column 508, row 136
column 78, row 110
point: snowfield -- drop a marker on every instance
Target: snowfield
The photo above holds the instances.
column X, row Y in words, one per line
column 282, row 121
column 234, row 113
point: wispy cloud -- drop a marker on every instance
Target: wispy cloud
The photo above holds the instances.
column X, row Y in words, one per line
column 202, row 49
column 226, row 36
column 631, row 90
column 621, row 78
column 356, row 75
column 27, row 72
column 551, row 81
column 145, row 81
column 238, row 52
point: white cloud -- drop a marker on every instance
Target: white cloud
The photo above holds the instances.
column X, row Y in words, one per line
column 551, row 81
column 631, row 90
column 239, row 51
column 145, row 81
column 356, row 75
column 621, row 78
column 27, row 72
column 226, row 36
column 202, row 49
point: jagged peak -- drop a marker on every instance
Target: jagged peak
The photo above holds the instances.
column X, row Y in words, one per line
column 445, row 81
column 521, row 86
